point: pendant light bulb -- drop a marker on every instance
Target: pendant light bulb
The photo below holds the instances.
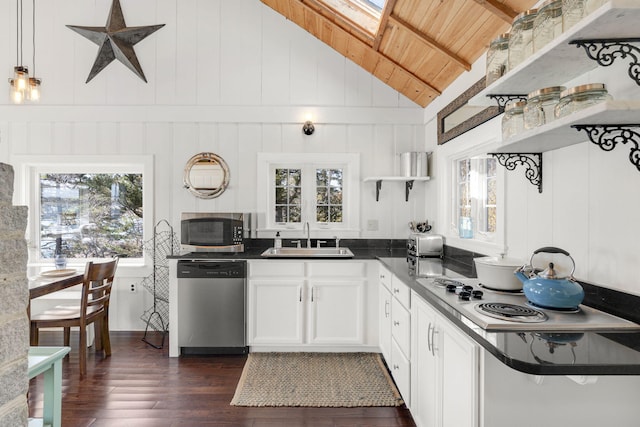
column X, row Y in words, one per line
column 34, row 89
column 21, row 77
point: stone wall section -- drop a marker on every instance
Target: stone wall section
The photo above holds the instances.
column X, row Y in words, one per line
column 14, row 297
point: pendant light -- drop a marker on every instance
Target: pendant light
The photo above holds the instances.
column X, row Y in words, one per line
column 23, row 87
column 33, row 91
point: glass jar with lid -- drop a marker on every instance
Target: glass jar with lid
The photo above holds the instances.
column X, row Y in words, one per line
column 580, row 97
column 497, row 57
column 540, row 106
column 572, row 12
column 521, row 40
column 513, row 119
column 547, row 24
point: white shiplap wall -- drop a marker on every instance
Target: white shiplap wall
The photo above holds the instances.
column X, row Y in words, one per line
column 228, row 76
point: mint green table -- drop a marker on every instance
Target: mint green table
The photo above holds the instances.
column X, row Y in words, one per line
column 48, row 361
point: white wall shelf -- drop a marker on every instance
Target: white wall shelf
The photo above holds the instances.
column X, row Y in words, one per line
column 560, row 61
column 408, row 180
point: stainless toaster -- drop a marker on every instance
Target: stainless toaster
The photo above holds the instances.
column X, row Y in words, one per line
column 425, row 245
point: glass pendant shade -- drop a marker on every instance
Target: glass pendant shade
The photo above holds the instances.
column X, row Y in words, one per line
column 21, row 77
column 16, row 95
column 34, row 90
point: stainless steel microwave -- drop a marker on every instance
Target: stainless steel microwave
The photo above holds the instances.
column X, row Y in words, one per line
column 214, row 231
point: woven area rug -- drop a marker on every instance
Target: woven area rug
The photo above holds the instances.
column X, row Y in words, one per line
column 315, row 380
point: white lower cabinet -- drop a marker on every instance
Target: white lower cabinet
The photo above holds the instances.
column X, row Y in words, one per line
column 395, row 329
column 307, row 303
column 444, row 370
column 384, row 316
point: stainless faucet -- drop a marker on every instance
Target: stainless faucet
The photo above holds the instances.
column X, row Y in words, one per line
column 306, row 225
column 337, row 241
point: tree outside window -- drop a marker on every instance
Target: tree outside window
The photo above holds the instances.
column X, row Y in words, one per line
column 97, row 215
column 476, row 184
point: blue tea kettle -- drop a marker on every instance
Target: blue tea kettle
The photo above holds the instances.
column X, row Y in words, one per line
column 545, row 289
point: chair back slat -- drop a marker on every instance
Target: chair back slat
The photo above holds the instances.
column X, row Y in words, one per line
column 96, row 286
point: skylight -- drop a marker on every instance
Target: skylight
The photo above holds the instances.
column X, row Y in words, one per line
column 363, row 13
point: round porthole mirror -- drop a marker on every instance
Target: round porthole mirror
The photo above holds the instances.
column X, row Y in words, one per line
column 206, row 175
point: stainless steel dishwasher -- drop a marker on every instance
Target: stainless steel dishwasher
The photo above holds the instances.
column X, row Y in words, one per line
column 211, row 307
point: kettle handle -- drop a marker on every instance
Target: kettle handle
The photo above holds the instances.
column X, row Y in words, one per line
column 553, row 250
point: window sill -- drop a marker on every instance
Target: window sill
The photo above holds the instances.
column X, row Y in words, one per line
column 475, row 245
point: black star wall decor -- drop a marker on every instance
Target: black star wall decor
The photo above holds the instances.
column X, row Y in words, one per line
column 116, row 41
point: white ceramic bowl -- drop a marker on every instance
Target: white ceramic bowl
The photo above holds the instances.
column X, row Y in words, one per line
column 498, row 273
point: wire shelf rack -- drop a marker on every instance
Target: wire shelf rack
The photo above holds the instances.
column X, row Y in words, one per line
column 163, row 243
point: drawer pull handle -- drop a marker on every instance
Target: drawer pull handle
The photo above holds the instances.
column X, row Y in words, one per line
column 396, row 323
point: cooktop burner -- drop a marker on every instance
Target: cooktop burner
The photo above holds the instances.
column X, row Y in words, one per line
column 558, row 310
column 511, row 312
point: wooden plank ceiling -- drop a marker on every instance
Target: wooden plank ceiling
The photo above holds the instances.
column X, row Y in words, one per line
column 418, row 47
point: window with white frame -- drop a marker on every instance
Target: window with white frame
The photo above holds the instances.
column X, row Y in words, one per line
column 321, row 189
column 95, row 209
column 475, row 200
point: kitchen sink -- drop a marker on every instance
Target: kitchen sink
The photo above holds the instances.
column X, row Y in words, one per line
column 307, row 253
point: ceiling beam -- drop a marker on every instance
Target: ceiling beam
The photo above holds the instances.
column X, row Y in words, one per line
column 501, row 10
column 384, row 19
column 429, row 41
column 360, row 45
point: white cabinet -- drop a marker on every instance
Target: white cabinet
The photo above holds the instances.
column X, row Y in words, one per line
column 395, row 329
column 384, row 310
column 444, row 371
column 276, row 310
column 307, row 303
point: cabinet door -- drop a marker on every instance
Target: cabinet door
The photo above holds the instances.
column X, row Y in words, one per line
column 336, row 312
column 459, row 374
column 384, row 315
column 424, row 369
column 401, row 327
column 401, row 371
column 276, row 310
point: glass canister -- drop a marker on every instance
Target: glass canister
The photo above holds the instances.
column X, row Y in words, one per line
column 521, row 40
column 572, row 12
column 547, row 24
column 540, row 106
column 497, row 57
column 513, row 119
column 580, row 97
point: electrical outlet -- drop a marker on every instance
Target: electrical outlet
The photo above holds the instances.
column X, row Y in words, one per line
column 372, row 225
column 133, row 287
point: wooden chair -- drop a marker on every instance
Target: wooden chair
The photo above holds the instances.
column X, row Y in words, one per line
column 94, row 308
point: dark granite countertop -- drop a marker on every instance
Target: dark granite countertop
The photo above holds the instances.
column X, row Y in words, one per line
column 581, row 353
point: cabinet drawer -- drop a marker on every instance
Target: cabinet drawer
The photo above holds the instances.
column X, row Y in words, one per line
column 336, row 269
column 401, row 327
column 401, row 291
column 384, row 276
column 276, row 268
column 401, row 371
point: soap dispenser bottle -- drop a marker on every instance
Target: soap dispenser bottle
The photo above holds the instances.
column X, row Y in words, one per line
column 277, row 242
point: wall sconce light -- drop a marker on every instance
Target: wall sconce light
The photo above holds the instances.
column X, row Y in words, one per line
column 308, row 127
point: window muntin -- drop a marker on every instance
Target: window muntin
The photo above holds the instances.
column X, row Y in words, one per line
column 97, row 215
column 476, row 194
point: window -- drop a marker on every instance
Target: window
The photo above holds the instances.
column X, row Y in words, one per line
column 476, row 196
column 322, row 189
column 95, row 205
column 96, row 215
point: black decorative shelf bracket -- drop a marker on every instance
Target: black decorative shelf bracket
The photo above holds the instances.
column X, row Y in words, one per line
column 608, row 136
column 605, row 51
column 378, row 187
column 531, row 161
column 502, row 100
column 408, row 188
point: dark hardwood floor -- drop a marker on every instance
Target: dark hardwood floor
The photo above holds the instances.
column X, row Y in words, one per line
column 140, row 386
